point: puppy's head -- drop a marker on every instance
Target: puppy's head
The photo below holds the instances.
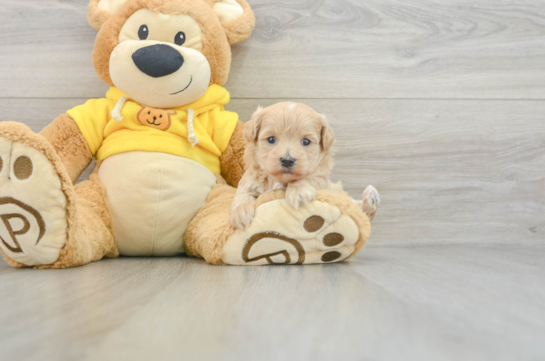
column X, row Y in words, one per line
column 288, row 140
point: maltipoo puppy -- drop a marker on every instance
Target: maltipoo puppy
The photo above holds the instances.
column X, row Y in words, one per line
column 288, row 147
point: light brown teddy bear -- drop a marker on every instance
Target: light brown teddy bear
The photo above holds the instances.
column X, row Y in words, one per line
column 168, row 155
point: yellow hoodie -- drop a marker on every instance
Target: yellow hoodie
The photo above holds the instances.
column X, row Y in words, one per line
column 106, row 136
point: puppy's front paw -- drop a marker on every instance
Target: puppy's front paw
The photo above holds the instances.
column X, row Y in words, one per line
column 295, row 196
column 371, row 201
column 242, row 215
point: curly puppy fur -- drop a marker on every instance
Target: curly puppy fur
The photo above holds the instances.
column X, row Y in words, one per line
column 288, row 147
column 274, row 136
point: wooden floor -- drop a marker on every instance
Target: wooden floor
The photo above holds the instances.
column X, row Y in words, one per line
column 438, row 103
column 401, row 303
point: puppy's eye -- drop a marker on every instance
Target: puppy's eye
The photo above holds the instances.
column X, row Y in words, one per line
column 271, row 140
column 305, row 142
column 143, row 32
column 179, row 39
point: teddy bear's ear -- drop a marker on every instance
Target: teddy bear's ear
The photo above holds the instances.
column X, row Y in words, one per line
column 100, row 11
column 236, row 17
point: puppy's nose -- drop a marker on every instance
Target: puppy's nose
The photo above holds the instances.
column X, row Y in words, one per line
column 158, row 60
column 287, row 162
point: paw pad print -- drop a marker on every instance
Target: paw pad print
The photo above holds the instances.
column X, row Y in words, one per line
column 324, row 242
column 32, row 204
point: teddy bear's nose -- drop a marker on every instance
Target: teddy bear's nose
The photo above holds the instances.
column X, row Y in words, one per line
column 158, row 60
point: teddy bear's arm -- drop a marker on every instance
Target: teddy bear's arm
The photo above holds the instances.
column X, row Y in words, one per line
column 232, row 160
column 65, row 136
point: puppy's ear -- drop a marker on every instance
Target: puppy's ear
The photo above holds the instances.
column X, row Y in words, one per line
column 328, row 135
column 252, row 127
column 101, row 10
column 236, row 17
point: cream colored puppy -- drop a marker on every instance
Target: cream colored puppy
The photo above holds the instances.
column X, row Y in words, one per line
column 288, row 147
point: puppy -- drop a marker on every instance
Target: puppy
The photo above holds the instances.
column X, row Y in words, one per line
column 288, row 147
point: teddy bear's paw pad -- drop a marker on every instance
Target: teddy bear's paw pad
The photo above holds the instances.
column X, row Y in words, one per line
column 32, row 205
column 315, row 233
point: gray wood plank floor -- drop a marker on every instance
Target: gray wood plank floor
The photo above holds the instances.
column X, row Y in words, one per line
column 439, row 104
column 423, row 303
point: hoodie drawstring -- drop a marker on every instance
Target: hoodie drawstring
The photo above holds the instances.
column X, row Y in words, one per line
column 116, row 113
column 191, row 128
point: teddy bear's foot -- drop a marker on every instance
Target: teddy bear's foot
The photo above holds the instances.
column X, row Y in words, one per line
column 317, row 232
column 33, row 206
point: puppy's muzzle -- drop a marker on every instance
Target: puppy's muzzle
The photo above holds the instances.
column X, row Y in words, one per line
column 287, row 162
column 158, row 60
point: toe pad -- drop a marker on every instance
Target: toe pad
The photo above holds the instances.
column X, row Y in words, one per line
column 317, row 232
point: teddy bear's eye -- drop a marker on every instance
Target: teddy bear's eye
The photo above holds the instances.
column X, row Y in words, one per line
column 143, row 32
column 179, row 39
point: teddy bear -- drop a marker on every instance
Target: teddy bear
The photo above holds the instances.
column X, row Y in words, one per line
column 168, row 156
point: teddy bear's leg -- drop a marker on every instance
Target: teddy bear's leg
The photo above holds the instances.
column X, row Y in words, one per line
column 330, row 229
column 45, row 221
column 93, row 235
column 211, row 227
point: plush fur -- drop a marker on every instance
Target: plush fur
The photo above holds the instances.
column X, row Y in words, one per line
column 216, row 39
column 93, row 235
column 236, row 30
column 67, row 140
column 96, row 17
column 239, row 29
column 89, row 233
column 232, row 165
column 20, row 133
column 213, row 221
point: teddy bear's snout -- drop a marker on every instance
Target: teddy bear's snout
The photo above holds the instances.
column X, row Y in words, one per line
column 158, row 60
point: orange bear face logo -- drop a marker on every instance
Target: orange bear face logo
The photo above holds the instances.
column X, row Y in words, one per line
column 155, row 118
